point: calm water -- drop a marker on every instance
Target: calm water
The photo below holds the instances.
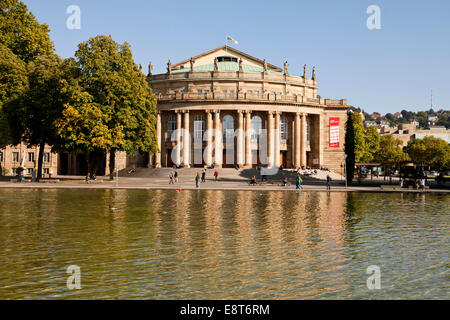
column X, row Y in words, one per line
column 222, row 244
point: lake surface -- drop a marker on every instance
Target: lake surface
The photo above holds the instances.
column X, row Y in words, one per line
column 139, row 244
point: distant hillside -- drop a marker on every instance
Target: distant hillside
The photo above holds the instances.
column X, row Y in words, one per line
column 425, row 118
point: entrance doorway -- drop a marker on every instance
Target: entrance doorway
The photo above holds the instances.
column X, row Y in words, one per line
column 169, row 162
column 283, row 158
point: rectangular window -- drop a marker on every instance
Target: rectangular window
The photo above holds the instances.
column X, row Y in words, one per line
column 1, row 156
column 199, row 92
column 14, row 171
column 15, row 157
column 250, row 92
column 46, row 157
column 30, row 171
column 256, row 93
column 31, row 156
column 46, row 170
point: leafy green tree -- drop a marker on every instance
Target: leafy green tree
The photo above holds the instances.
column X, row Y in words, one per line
column 429, row 150
column 349, row 146
column 360, row 142
column 372, row 143
column 83, row 126
column 117, row 86
column 33, row 115
column 21, row 32
column 13, row 82
column 390, row 150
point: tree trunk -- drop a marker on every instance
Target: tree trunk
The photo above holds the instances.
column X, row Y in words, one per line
column 40, row 160
column 112, row 163
column 88, row 164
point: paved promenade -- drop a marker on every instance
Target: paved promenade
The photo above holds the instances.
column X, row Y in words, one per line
column 229, row 179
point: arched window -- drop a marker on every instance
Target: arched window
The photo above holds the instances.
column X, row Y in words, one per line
column 283, row 129
column 199, row 127
column 171, row 126
column 256, row 129
column 228, row 128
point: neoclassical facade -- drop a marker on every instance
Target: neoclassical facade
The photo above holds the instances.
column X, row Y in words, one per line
column 227, row 108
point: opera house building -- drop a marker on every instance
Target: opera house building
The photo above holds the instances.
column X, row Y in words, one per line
column 225, row 108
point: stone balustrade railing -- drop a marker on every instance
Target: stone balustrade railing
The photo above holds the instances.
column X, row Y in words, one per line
column 249, row 96
column 233, row 75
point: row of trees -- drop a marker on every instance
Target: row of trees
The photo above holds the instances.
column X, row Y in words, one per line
column 97, row 102
column 364, row 145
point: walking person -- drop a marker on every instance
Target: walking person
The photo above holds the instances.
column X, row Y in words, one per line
column 175, row 176
column 328, row 182
column 197, row 180
column 422, row 184
column 171, row 176
column 285, row 181
column 298, row 183
column 204, row 175
column 216, row 175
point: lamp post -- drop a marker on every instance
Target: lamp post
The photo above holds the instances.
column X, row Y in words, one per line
column 117, row 169
column 345, row 169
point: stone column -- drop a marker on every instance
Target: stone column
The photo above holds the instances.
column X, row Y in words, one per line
column 158, row 140
column 297, row 140
column 186, row 141
column 277, row 142
column 303, row 141
column 178, row 136
column 240, row 140
column 270, row 139
column 209, row 130
column 248, row 139
column 218, row 152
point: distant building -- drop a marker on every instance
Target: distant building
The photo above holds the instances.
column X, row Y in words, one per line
column 408, row 132
column 370, row 124
column 398, row 115
column 375, row 115
column 432, row 119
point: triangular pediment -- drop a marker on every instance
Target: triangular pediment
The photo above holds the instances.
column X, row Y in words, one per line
column 224, row 51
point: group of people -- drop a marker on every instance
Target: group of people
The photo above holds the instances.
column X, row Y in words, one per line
column 173, row 177
column 298, row 181
column 203, row 177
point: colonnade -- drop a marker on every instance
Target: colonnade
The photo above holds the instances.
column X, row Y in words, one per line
column 244, row 143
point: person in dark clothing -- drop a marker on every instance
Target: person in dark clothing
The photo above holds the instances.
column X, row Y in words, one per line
column 204, row 175
column 328, row 182
column 197, row 180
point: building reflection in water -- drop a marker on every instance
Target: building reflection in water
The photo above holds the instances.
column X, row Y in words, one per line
column 212, row 244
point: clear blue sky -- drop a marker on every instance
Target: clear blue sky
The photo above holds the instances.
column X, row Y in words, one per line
column 378, row 70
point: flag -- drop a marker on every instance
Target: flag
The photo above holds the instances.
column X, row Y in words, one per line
column 231, row 40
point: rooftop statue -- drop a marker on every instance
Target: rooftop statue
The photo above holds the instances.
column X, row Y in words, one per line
column 169, row 67
column 216, row 64
column 286, row 67
column 150, row 68
column 314, row 73
column 265, row 65
column 192, row 61
column 304, row 71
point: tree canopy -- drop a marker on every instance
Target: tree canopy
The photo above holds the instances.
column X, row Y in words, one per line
column 119, row 90
column 429, row 150
column 33, row 114
column 21, row 32
column 390, row 150
column 13, row 82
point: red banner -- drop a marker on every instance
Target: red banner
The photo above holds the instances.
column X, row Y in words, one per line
column 334, row 133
